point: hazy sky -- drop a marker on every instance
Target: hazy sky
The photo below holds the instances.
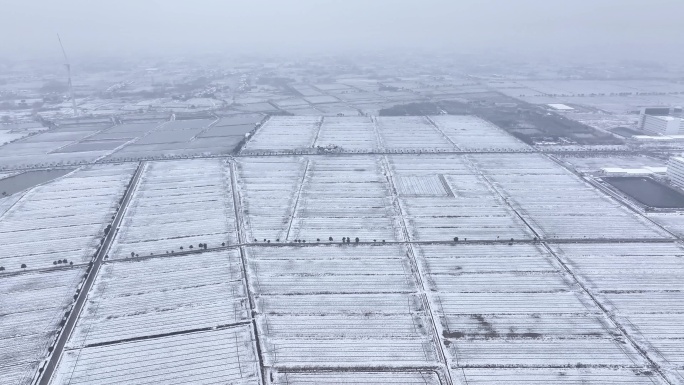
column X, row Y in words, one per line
column 627, row 28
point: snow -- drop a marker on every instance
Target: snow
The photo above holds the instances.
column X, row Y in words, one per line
column 225, row 355
column 32, row 305
column 282, row 133
column 353, row 133
column 561, row 107
column 640, row 284
column 156, row 296
column 316, row 198
column 544, row 353
column 176, row 204
column 470, row 208
column 557, row 204
column 335, row 305
column 565, row 376
column 63, row 219
column 470, row 133
column 358, row 378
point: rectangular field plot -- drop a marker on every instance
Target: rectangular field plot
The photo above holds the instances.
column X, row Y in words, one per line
column 358, row 378
column 284, row 133
column 370, row 270
column 93, row 145
column 164, row 135
column 218, row 356
column 463, row 205
column 138, row 298
column 540, row 353
column 349, row 133
column 640, row 283
column 423, row 186
column 616, row 267
column 592, row 376
column 513, row 305
column 63, row 219
column 471, row 133
column 32, row 306
column 411, row 133
column 268, row 191
column 343, row 198
column 178, row 204
column 339, row 306
column 187, row 124
column 557, row 204
column 673, row 222
column 525, row 326
column 126, row 131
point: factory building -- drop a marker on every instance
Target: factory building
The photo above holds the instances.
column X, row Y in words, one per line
column 661, row 120
column 675, row 170
column 662, row 125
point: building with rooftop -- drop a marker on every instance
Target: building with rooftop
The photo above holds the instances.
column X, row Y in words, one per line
column 675, row 170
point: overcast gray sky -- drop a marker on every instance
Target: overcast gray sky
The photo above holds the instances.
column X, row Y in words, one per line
column 626, row 28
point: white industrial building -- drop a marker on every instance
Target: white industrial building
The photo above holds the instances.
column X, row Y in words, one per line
column 662, row 125
column 675, row 170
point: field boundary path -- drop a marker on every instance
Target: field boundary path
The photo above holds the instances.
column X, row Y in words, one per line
column 54, row 357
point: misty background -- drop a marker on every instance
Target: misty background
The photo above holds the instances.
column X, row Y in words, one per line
column 597, row 29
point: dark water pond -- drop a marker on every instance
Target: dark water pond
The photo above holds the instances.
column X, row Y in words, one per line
column 648, row 192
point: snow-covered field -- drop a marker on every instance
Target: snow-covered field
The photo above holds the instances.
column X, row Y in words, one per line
column 284, row 133
column 641, row 284
column 398, row 134
column 268, row 189
column 514, row 306
column 596, row 163
column 208, row 357
column 464, row 207
column 161, row 295
column 410, row 133
column 564, row 376
column 63, row 219
column 178, row 204
column 344, row 198
column 349, row 133
column 358, row 378
column 556, row 203
column 31, row 307
column 340, row 306
column 470, row 133
column 316, row 198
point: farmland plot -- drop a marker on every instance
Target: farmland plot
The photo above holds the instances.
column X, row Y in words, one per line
column 218, row 356
column 126, row 131
column 344, row 198
column 64, row 219
column 162, row 295
column 593, row 376
column 285, row 133
column 358, row 378
column 641, row 284
column 557, row 204
column 340, row 306
column 411, row 133
column 673, row 221
column 442, row 198
column 33, row 304
column 268, row 190
column 353, row 133
column 513, row 306
column 471, row 133
column 187, row 124
column 178, row 204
